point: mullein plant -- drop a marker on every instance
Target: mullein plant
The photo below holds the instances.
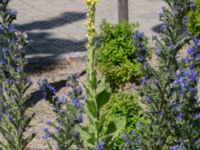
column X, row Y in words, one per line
column 94, row 132
column 169, row 89
column 69, row 115
column 14, row 119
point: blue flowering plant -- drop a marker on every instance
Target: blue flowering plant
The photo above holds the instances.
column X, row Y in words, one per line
column 174, row 29
column 14, row 118
column 69, row 115
column 185, row 107
column 169, row 87
column 194, row 52
column 48, row 91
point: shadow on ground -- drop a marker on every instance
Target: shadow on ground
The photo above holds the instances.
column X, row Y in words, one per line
column 63, row 19
column 36, row 96
column 157, row 29
column 45, row 45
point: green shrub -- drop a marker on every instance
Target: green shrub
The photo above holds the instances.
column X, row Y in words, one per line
column 116, row 53
column 128, row 106
column 194, row 20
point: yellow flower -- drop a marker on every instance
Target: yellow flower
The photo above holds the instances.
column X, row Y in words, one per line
column 91, row 2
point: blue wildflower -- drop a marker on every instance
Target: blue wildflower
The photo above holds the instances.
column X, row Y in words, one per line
column 49, row 123
column 192, row 90
column 193, row 75
column 63, row 100
column 141, row 58
column 164, row 9
column 176, row 81
column 12, row 42
column 12, row 28
column 183, row 82
column 192, row 6
column 175, row 10
column 99, row 146
column 4, row 49
column 192, row 50
column 197, row 116
column 19, row 69
column 186, row 60
column 8, row 81
column 2, row 61
column 58, row 128
column 157, row 50
column 182, row 95
column 197, row 58
column 185, row 20
column 2, row 27
column 47, row 133
column 51, row 88
column 164, row 26
column 12, row 12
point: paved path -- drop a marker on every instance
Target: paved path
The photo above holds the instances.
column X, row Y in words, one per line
column 57, row 26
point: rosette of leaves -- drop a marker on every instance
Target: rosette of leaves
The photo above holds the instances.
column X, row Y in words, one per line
column 116, row 54
column 14, row 119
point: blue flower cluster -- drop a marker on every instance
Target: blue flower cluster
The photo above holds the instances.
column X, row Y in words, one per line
column 7, row 11
column 132, row 139
column 194, row 53
column 174, row 21
column 186, row 82
column 69, row 113
column 185, row 107
column 179, row 147
column 99, row 146
column 47, row 133
column 13, row 43
column 47, row 89
column 140, row 46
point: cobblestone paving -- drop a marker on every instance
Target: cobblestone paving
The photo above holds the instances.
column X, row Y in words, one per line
column 57, row 26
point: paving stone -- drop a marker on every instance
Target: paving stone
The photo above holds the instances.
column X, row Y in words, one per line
column 58, row 30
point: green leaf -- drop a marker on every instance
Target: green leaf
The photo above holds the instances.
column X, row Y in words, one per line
column 103, row 93
column 116, row 126
column 103, row 98
column 87, row 136
column 91, row 109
